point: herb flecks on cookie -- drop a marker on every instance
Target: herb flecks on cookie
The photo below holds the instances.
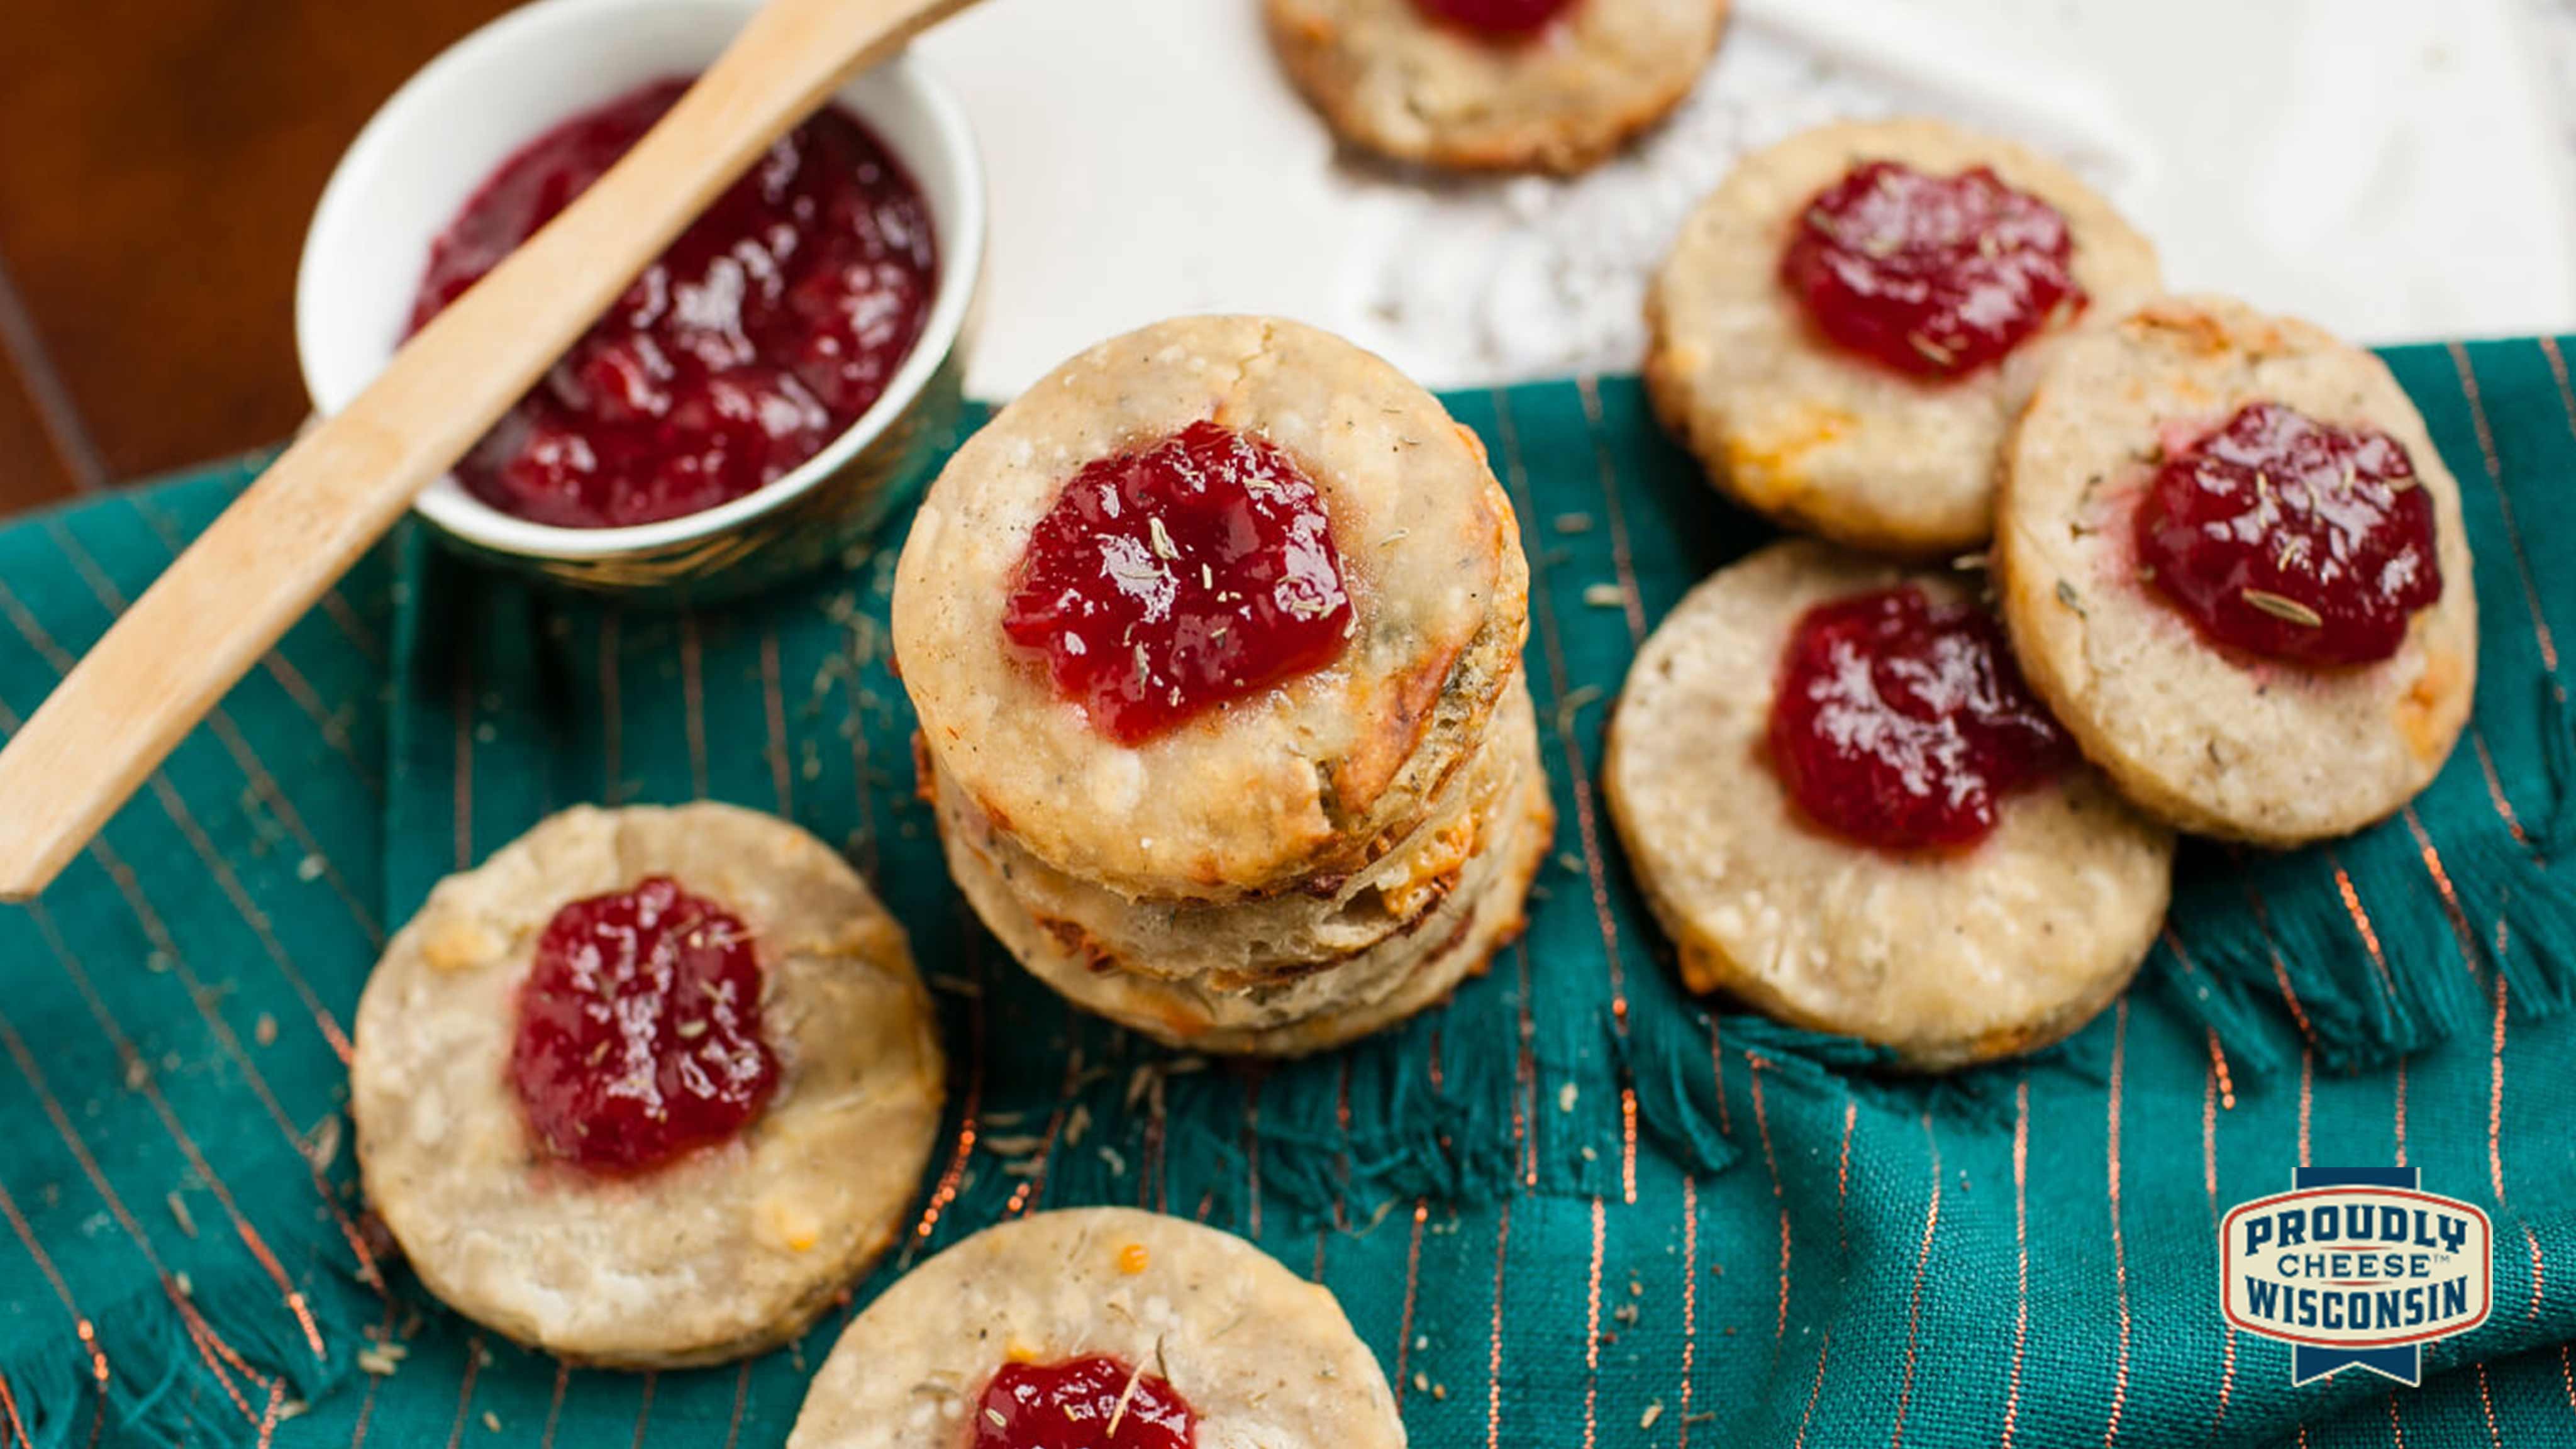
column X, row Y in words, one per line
column 1178, row 577
column 649, row 1087
column 2233, row 563
column 2292, row 538
column 1847, row 329
column 1933, row 275
column 1902, row 728
column 1100, row 1328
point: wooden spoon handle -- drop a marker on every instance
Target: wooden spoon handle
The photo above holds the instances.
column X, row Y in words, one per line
column 306, row 521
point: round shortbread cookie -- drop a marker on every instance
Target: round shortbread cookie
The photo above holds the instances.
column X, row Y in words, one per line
column 1240, row 945
column 1946, row 957
column 1828, row 440
column 1339, row 1003
column 1398, row 81
column 1265, row 1359
column 2217, row 743
column 723, row 1252
column 1320, row 774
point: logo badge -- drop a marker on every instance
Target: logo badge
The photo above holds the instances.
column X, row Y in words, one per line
column 2356, row 1267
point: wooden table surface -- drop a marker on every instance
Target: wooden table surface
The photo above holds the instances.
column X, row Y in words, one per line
column 159, row 160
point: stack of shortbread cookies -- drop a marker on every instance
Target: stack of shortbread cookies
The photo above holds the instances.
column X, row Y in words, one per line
column 1299, row 863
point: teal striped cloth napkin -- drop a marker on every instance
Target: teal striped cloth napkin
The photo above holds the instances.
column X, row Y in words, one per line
column 1572, row 1208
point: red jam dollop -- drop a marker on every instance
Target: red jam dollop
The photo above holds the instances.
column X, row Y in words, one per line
column 639, row 1030
column 1192, row 572
column 774, row 321
column 1505, row 18
column 1901, row 723
column 1935, row 276
column 2291, row 538
column 1072, row 1405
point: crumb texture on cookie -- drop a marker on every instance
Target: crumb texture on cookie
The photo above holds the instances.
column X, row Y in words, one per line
column 1800, row 429
column 1392, row 77
column 1945, row 957
column 723, row 1252
column 1262, row 1356
column 2266, row 751
column 1299, row 778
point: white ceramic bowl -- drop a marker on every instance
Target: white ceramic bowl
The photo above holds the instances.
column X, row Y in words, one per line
column 424, row 153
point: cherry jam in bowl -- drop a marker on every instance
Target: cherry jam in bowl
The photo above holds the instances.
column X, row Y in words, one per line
column 735, row 503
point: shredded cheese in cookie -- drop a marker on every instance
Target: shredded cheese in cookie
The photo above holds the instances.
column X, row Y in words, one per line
column 2418, row 710
column 791, row 1225
column 1771, row 465
column 457, row 943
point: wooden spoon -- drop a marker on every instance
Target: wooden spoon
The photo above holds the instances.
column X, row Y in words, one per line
column 306, row 521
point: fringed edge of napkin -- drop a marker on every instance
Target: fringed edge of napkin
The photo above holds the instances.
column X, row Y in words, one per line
column 2331, row 949
column 217, row 1357
column 1384, row 1134
column 1674, row 1072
